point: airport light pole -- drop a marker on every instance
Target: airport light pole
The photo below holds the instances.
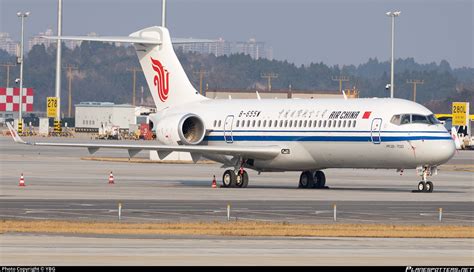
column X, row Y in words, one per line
column 392, row 14
column 57, row 121
column 22, row 15
column 269, row 77
column 163, row 13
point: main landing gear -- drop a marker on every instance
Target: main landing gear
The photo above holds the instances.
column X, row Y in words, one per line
column 232, row 178
column 424, row 185
column 312, row 179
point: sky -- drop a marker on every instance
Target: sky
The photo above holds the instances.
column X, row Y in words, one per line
column 339, row 32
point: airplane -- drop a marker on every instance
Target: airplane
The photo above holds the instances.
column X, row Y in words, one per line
column 277, row 135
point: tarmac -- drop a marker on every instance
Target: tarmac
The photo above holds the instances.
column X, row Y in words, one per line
column 60, row 185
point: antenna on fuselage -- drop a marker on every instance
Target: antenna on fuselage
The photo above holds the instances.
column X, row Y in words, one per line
column 163, row 13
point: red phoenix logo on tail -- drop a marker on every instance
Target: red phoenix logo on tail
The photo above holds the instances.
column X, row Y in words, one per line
column 161, row 79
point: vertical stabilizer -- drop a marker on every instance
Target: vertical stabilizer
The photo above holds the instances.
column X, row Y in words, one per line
column 164, row 74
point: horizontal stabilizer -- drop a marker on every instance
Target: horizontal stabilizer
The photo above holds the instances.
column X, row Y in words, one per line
column 122, row 39
column 126, row 39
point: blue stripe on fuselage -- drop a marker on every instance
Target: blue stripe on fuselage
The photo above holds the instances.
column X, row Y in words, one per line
column 331, row 131
column 300, row 138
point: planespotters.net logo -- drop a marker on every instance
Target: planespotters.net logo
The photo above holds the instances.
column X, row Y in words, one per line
column 161, row 79
column 439, row 269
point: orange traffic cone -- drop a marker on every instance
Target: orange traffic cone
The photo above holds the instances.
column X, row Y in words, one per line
column 22, row 181
column 214, row 184
column 111, row 178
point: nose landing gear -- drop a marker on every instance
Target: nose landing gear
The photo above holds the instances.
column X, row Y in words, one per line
column 424, row 185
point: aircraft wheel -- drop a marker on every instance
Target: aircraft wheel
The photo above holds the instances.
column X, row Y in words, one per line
column 306, row 180
column 243, row 179
column 319, row 179
column 421, row 186
column 429, row 187
column 229, row 179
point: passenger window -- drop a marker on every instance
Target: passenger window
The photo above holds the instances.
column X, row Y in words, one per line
column 248, row 123
column 219, row 123
column 286, row 123
column 281, row 123
column 299, row 123
column 319, row 123
column 339, row 123
column 215, row 123
column 264, row 123
column 329, row 123
column 237, row 123
column 295, row 124
column 290, row 124
column 354, row 124
column 324, row 123
column 253, row 123
column 269, row 123
column 275, row 123
column 259, row 123
column 349, row 123
column 305, row 123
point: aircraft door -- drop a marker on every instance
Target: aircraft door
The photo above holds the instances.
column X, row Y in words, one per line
column 229, row 120
column 375, row 130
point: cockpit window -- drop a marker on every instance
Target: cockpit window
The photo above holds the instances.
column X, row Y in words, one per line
column 433, row 120
column 419, row 119
column 405, row 119
column 401, row 119
column 395, row 119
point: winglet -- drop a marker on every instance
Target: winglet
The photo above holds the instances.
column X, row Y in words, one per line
column 14, row 134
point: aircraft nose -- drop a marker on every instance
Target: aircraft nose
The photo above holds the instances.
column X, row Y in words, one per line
column 445, row 151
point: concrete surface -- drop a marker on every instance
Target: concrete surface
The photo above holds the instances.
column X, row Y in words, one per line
column 62, row 186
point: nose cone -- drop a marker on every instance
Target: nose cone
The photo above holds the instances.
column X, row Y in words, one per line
column 444, row 151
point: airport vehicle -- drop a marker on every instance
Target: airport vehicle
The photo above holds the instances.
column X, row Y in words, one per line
column 271, row 135
column 463, row 133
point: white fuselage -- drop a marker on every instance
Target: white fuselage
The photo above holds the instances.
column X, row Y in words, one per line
column 319, row 133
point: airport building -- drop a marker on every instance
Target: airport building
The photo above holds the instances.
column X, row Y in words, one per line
column 91, row 116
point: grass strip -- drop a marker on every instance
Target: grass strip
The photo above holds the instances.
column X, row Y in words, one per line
column 239, row 228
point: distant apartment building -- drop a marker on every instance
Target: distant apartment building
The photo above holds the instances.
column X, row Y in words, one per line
column 7, row 44
column 220, row 47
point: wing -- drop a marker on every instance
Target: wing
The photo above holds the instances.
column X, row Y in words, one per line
column 257, row 152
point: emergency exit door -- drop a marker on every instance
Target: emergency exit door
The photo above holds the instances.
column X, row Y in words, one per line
column 229, row 120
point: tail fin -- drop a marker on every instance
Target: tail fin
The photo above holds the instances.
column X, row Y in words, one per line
column 165, row 76
column 455, row 136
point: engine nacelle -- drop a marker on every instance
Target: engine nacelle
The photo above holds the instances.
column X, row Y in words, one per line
column 188, row 129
